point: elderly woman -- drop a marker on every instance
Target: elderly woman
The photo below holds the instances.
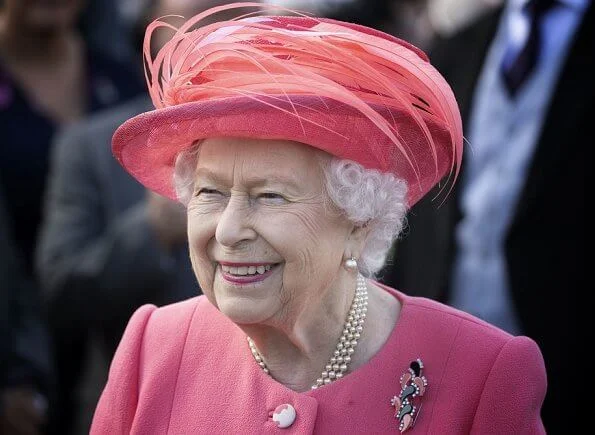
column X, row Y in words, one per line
column 298, row 144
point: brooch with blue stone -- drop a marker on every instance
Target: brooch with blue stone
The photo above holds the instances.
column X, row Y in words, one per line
column 413, row 385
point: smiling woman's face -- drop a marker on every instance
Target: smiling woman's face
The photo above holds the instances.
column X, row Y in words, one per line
column 265, row 241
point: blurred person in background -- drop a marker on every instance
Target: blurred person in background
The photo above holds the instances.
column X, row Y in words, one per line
column 406, row 19
column 24, row 358
column 449, row 16
column 507, row 244
column 417, row 21
column 104, row 27
column 107, row 245
column 49, row 77
column 108, row 25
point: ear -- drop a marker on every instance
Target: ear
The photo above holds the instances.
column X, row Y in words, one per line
column 356, row 240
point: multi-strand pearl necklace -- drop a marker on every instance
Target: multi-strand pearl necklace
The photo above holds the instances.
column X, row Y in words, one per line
column 354, row 325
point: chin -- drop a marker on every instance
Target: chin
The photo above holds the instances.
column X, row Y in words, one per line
column 243, row 312
column 247, row 303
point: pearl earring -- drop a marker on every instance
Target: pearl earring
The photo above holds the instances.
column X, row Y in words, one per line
column 351, row 263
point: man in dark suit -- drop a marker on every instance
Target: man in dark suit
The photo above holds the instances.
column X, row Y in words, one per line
column 507, row 243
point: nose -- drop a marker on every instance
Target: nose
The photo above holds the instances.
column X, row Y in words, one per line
column 234, row 224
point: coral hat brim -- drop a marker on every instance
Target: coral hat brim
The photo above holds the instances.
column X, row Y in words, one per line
column 147, row 145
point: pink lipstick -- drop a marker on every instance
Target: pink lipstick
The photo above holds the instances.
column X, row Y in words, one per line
column 249, row 272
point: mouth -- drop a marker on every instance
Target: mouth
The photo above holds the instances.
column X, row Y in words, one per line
column 246, row 273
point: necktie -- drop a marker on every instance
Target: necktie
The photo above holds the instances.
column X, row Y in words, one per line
column 516, row 71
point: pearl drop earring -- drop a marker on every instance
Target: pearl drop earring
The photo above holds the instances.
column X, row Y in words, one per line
column 351, row 263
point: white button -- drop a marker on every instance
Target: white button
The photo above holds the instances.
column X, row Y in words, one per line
column 284, row 415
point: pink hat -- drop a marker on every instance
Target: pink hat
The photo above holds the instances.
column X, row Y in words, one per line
column 352, row 91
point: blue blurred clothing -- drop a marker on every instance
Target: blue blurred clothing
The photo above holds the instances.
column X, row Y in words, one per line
column 503, row 135
column 26, row 134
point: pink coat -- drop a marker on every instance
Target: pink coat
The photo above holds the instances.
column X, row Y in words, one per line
column 187, row 369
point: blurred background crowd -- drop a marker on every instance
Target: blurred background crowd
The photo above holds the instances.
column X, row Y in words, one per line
column 82, row 245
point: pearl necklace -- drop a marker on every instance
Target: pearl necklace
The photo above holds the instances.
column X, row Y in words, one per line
column 354, row 325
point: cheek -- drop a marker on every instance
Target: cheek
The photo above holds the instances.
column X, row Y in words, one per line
column 201, row 233
column 291, row 232
column 307, row 239
column 202, row 224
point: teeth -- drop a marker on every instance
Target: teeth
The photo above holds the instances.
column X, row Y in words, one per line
column 246, row 270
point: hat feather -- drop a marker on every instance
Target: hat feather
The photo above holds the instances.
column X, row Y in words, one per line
column 260, row 57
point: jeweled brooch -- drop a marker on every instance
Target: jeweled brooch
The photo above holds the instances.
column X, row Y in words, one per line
column 413, row 385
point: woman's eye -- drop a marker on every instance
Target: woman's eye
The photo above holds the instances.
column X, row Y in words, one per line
column 270, row 197
column 207, row 192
